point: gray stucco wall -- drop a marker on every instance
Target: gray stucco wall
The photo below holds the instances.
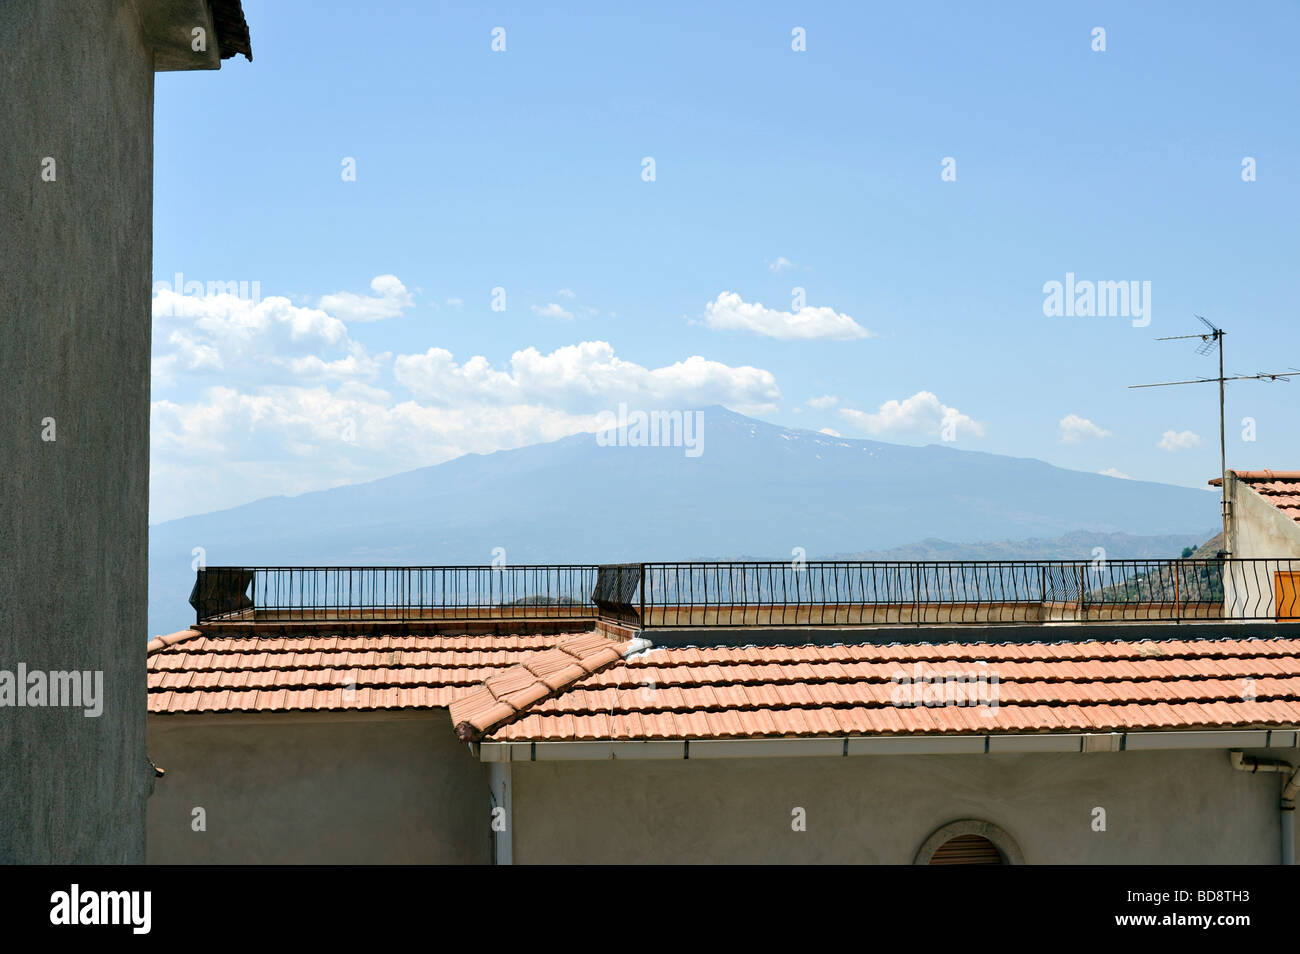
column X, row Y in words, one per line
column 1258, row 530
column 330, row 788
column 1261, row 530
column 1161, row 807
column 76, row 84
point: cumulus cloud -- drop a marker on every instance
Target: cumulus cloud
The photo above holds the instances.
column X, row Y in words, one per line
column 829, row 431
column 254, row 398
column 552, row 310
column 1179, row 440
column 587, row 376
column 781, row 264
column 566, row 293
column 1075, row 429
column 921, row 414
column 242, row 339
column 729, row 312
column 325, row 421
column 390, row 299
column 823, row 402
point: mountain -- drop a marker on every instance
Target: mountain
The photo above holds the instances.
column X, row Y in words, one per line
column 1077, row 545
column 754, row 488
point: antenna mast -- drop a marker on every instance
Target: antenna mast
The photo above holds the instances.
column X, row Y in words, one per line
column 1209, row 341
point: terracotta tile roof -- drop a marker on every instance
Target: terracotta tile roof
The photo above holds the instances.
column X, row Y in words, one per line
column 538, row 676
column 1281, row 488
column 191, row 672
column 807, row 691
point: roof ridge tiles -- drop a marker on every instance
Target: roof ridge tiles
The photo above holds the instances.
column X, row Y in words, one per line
column 538, row 677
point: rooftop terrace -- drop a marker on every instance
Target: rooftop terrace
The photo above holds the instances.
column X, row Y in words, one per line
column 748, row 594
column 676, row 654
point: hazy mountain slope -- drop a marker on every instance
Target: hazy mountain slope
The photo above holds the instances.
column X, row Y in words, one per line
column 756, row 489
column 1077, row 545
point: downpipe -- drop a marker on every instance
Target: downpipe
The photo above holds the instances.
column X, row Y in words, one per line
column 1290, row 783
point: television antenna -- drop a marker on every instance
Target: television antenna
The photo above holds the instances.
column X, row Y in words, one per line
column 1211, row 339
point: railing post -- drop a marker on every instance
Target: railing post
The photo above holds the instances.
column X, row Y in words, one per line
column 916, row 594
column 1042, row 593
column 641, row 587
column 1178, row 610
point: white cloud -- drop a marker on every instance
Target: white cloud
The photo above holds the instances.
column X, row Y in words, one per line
column 268, row 397
column 921, row 414
column 1075, row 429
column 391, row 298
column 455, row 302
column 242, row 339
column 587, row 376
column 729, row 312
column 1179, row 440
column 358, row 364
column 566, row 293
column 553, row 310
column 1114, row 472
column 823, row 402
column 832, row 433
column 254, row 399
column 781, row 264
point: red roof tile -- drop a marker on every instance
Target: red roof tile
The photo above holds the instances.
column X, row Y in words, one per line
column 811, row 691
column 1281, row 488
column 192, row 672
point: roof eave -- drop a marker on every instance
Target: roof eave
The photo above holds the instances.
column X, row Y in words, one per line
column 171, row 27
column 844, row 746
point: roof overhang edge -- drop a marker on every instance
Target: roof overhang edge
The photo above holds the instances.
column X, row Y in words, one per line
column 1280, row 738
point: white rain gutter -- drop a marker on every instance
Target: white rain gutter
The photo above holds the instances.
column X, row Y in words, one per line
column 1290, row 783
column 891, row 745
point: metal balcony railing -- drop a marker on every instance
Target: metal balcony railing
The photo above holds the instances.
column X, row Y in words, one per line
column 383, row 593
column 758, row 593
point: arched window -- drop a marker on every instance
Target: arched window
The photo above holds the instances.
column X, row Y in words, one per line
column 970, row 842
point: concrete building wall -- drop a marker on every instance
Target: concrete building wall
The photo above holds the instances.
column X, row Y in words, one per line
column 76, row 85
column 1161, row 807
column 1258, row 530
column 327, row 788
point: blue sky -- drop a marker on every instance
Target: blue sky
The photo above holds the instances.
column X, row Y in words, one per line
column 775, row 169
